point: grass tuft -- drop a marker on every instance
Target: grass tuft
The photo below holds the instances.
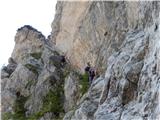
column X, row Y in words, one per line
column 32, row 68
column 36, row 55
column 84, row 82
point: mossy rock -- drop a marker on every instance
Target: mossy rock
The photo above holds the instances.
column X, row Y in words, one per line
column 51, row 103
column 84, row 82
column 56, row 53
column 36, row 116
column 18, row 108
column 32, row 68
column 10, row 116
column 30, row 83
column 36, row 55
column 57, row 64
column 6, row 116
column 65, row 73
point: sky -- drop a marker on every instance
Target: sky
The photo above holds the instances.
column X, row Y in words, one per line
column 17, row 13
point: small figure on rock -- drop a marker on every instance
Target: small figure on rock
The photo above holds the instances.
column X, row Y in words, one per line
column 87, row 67
column 63, row 59
column 18, row 94
column 91, row 72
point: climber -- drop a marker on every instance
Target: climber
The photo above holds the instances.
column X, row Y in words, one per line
column 18, row 94
column 91, row 75
column 91, row 72
column 88, row 67
column 62, row 60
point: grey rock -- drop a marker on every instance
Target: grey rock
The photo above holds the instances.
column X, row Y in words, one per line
column 19, row 80
column 88, row 106
column 127, row 81
column 8, row 70
column 68, row 115
column 30, row 73
column 71, row 91
column 4, row 74
column 7, row 99
column 47, row 116
column 98, row 28
column 27, row 41
column 120, row 39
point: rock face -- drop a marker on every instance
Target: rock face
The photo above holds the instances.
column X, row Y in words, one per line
column 126, row 92
column 32, row 85
column 120, row 39
column 27, row 40
column 97, row 29
column 71, row 91
column 89, row 103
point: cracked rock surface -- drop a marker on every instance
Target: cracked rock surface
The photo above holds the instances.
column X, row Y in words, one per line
column 120, row 39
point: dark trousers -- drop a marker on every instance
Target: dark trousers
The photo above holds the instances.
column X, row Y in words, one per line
column 90, row 79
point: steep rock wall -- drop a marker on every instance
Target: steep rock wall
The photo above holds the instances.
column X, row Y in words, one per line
column 32, row 81
column 27, row 40
column 92, row 31
column 131, row 84
column 119, row 38
column 122, row 37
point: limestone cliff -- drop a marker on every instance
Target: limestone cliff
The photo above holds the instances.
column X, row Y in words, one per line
column 92, row 31
column 121, row 39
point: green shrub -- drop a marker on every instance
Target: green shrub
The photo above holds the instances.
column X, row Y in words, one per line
column 6, row 116
column 10, row 116
column 36, row 55
column 84, row 83
column 18, row 108
column 36, row 116
column 51, row 103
